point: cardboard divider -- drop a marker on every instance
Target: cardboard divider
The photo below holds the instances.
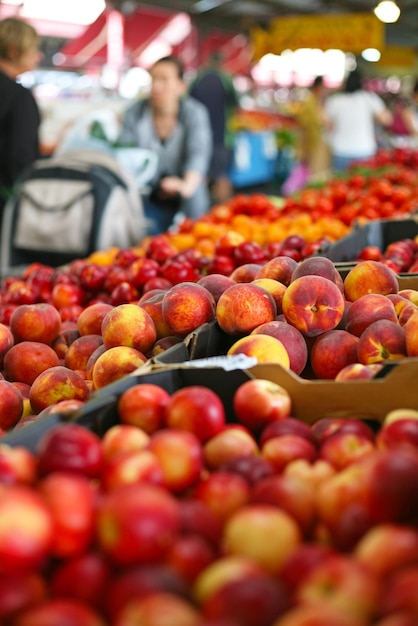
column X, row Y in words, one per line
column 371, row 399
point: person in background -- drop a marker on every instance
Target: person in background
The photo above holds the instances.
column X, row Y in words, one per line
column 19, row 112
column 403, row 132
column 313, row 148
column 215, row 89
column 177, row 128
column 352, row 115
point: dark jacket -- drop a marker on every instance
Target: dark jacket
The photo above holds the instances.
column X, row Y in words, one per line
column 19, row 132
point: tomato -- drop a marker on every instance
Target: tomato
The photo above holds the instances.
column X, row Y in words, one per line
column 324, row 205
column 347, row 214
column 358, row 181
column 370, row 253
column 387, row 209
column 339, row 192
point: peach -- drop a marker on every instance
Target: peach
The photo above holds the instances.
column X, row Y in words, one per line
column 18, row 465
column 27, row 359
column 370, row 277
column 343, row 584
column 332, row 351
column 24, row 389
column 368, row 309
column 128, row 325
column 407, row 312
column 313, row 304
column 154, row 307
column 224, row 493
column 89, row 322
column 358, row 371
column 158, row 607
column 196, row 409
column 291, row 338
column 122, row 438
column 180, row 455
column 64, row 340
column 263, row 533
column 137, row 524
column 258, row 402
column 318, row 266
column 411, row 335
column 6, row 341
column 186, row 306
column 80, row 350
column 344, row 448
column 410, row 294
column 56, row 384
column 386, row 548
column 279, row 268
column 163, row 344
column 399, row 414
column 280, row 451
column 115, row 363
column 382, row 341
column 23, row 546
column 243, row 307
column 11, row 405
column 251, row 601
column 144, row 406
column 131, row 467
column 35, row 322
column 276, row 289
column 232, row 442
column 245, row 273
column 221, row 572
column 289, row 493
column 216, row 284
column 265, row 348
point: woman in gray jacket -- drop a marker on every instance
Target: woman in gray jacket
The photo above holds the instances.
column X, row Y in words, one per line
column 177, row 128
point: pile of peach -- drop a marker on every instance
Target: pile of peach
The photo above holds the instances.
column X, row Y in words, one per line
column 177, row 518
column 302, row 316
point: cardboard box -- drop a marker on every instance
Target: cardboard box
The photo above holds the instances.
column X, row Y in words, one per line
column 394, row 387
column 100, row 412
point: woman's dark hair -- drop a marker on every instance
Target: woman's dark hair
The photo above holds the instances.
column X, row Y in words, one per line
column 353, row 82
column 318, row 82
column 175, row 62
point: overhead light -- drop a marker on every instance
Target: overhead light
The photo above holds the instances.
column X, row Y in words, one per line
column 387, row 11
column 371, row 54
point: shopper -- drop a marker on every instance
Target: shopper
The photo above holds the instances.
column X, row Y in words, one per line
column 177, row 128
column 403, row 132
column 353, row 114
column 19, row 113
column 314, row 150
column 215, row 89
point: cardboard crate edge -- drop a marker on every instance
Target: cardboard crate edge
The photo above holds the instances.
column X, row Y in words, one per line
column 312, row 400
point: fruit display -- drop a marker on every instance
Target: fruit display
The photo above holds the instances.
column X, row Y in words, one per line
column 176, row 515
column 281, row 494
column 301, row 316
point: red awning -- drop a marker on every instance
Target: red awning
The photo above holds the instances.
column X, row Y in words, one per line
column 234, row 48
column 139, row 30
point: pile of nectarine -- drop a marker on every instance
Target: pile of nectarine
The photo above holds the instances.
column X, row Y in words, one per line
column 177, row 517
column 302, row 316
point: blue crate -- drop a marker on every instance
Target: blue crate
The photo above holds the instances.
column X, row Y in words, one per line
column 255, row 158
